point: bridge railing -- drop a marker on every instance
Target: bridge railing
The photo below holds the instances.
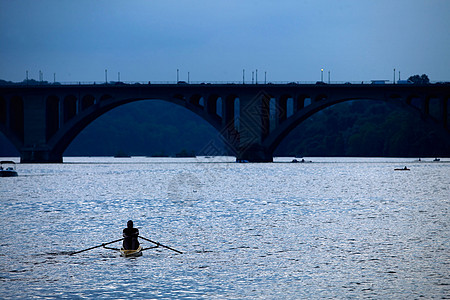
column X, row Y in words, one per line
column 128, row 83
column 46, row 83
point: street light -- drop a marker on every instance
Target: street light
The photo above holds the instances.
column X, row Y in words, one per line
column 321, row 75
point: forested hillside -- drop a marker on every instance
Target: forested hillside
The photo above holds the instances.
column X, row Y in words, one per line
column 358, row 128
column 365, row 128
column 146, row 128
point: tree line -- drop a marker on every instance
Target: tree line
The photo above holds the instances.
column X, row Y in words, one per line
column 365, row 128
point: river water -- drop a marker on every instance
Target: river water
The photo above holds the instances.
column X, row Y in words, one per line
column 333, row 228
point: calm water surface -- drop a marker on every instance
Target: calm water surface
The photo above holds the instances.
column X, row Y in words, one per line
column 333, row 228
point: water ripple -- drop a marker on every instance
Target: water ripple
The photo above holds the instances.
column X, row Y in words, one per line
column 326, row 230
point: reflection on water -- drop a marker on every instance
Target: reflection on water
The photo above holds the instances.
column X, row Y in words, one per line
column 334, row 228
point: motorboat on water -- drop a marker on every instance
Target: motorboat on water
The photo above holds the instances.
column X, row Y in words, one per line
column 7, row 168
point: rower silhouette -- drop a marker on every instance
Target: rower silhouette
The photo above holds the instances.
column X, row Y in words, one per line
column 130, row 235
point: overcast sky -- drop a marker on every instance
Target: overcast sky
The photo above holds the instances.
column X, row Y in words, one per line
column 291, row 40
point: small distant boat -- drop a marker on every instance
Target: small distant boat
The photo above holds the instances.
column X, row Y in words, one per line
column 7, row 168
column 131, row 253
column 242, row 161
column 402, row 169
column 437, row 159
column 300, row 161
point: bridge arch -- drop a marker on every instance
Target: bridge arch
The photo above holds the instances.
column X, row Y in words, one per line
column 16, row 124
column 219, row 106
column 196, row 100
column 87, row 101
column 3, row 112
column 52, row 109
column 67, row 133
column 69, row 107
column 283, row 130
column 211, row 104
column 12, row 119
column 105, row 97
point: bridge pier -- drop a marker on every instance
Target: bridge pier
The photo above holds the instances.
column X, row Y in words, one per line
column 254, row 127
column 39, row 156
column 35, row 148
column 254, row 153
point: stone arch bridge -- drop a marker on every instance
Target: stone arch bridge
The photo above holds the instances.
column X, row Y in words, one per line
column 42, row 120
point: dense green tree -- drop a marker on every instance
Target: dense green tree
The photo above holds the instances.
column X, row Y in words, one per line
column 417, row 79
column 364, row 128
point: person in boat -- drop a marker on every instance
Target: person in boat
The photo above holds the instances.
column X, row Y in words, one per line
column 130, row 235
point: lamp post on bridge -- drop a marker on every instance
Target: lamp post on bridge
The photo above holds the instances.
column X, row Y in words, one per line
column 321, row 75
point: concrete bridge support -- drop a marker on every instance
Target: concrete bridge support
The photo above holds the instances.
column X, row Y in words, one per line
column 35, row 148
column 39, row 155
column 254, row 127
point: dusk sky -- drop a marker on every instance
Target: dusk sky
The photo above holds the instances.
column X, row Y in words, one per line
column 291, row 40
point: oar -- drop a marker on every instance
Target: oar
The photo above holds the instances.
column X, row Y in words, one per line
column 160, row 244
column 104, row 244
